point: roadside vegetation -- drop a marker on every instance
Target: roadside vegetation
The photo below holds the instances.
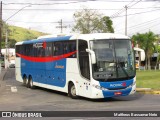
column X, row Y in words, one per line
column 16, row 34
column 148, row 79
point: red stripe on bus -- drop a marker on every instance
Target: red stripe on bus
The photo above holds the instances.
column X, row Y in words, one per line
column 45, row 59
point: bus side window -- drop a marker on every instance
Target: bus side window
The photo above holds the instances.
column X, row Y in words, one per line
column 58, row 48
column 48, row 49
column 72, row 48
column 65, row 44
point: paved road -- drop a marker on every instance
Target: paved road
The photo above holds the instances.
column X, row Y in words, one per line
column 16, row 97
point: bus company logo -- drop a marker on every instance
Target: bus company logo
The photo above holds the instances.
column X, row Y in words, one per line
column 118, row 85
column 124, row 84
column 40, row 45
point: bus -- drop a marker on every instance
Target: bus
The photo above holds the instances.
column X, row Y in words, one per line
column 98, row 65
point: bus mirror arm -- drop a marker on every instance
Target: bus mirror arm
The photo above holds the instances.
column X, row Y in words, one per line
column 93, row 56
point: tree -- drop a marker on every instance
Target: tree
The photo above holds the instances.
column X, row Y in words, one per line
column 157, row 51
column 146, row 42
column 90, row 21
column 106, row 23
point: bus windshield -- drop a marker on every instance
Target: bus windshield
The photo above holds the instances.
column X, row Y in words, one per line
column 114, row 60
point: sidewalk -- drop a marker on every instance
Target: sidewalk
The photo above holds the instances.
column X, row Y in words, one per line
column 2, row 74
column 148, row 91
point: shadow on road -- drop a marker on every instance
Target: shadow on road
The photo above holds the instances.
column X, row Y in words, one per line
column 133, row 97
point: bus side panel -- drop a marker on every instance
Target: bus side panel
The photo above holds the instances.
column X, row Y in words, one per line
column 35, row 70
column 52, row 73
column 57, row 74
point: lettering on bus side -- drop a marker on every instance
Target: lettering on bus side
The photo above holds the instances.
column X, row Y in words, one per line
column 59, row 66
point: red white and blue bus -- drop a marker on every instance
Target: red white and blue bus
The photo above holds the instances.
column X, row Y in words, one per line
column 96, row 65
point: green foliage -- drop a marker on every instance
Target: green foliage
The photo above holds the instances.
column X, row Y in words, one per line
column 16, row 34
column 106, row 25
column 146, row 41
column 90, row 21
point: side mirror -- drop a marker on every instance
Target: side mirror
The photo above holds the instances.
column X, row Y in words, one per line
column 93, row 56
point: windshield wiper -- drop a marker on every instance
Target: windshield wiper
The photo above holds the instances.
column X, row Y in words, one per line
column 125, row 72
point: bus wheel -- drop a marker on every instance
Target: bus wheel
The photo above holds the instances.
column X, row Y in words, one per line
column 72, row 91
column 30, row 83
column 25, row 81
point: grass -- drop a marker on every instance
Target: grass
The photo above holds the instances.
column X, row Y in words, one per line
column 148, row 79
column 21, row 34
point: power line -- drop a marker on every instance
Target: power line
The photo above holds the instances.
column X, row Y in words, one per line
column 124, row 9
column 14, row 3
column 121, row 10
column 134, row 4
column 16, row 12
column 138, row 13
column 149, row 27
column 62, row 9
column 72, row 21
column 59, row 9
column 41, row 22
column 142, row 24
column 43, row 3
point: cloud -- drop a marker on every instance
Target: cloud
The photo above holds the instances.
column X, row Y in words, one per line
column 153, row 0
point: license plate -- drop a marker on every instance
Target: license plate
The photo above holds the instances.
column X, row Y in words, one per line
column 118, row 93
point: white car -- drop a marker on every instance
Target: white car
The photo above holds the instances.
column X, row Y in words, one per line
column 12, row 63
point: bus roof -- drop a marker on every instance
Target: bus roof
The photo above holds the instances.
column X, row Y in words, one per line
column 86, row 37
column 94, row 36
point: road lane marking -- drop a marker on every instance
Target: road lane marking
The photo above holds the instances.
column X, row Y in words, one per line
column 14, row 89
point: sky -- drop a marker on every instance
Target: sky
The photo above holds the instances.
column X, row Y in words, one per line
column 45, row 15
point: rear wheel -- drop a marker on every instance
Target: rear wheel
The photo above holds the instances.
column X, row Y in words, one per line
column 25, row 81
column 30, row 83
column 72, row 91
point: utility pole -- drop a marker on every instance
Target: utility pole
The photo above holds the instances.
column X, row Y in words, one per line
column 126, row 20
column 6, row 40
column 6, row 47
column 61, row 25
column 0, row 26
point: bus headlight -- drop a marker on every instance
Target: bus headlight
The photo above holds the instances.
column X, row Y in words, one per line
column 99, row 87
column 134, row 83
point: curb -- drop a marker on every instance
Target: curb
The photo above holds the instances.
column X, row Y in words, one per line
column 148, row 91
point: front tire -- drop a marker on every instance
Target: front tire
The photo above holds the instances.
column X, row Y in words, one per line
column 72, row 91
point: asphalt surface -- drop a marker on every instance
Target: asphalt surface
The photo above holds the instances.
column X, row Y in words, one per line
column 16, row 97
